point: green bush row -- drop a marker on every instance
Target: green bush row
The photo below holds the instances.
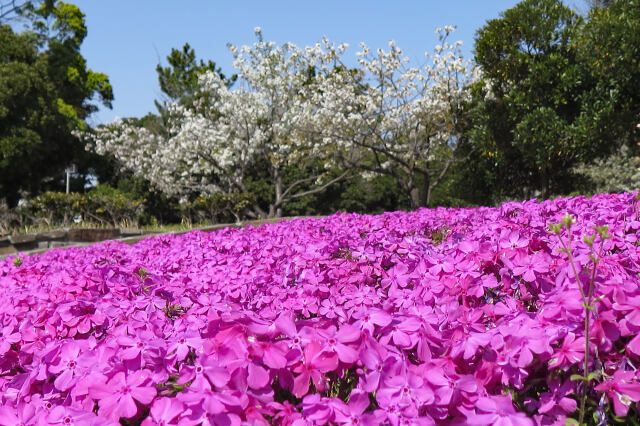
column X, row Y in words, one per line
column 109, row 206
column 215, row 208
column 104, row 205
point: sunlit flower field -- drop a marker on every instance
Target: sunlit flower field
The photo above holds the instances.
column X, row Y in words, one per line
column 439, row 316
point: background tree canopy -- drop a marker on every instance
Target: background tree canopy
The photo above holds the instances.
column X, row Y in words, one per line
column 533, row 84
column 46, row 92
column 557, row 90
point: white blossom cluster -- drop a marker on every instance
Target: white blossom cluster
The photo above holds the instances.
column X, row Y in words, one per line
column 297, row 106
column 408, row 117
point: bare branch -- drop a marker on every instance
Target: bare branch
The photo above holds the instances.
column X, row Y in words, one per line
column 317, row 189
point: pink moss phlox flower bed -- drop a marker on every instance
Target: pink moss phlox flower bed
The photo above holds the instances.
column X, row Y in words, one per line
column 441, row 316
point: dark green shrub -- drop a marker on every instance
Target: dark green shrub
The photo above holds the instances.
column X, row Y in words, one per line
column 217, row 208
column 108, row 205
column 57, row 208
column 104, row 205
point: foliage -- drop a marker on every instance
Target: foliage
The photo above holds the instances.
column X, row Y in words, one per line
column 529, row 98
column 375, row 195
column 304, row 120
column 14, row 9
column 560, row 91
column 45, row 93
column 217, row 208
column 57, row 207
column 179, row 80
column 619, row 172
column 609, row 48
column 9, row 218
column 589, row 303
column 103, row 204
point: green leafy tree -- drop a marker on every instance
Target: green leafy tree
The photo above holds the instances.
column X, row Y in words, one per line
column 609, row 48
column 179, row 84
column 46, row 92
column 530, row 98
column 179, row 80
column 558, row 91
column 14, row 9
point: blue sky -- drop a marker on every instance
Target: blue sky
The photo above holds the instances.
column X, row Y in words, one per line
column 126, row 39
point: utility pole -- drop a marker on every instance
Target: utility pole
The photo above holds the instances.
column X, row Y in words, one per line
column 69, row 170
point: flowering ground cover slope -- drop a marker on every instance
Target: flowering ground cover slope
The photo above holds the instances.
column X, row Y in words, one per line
column 448, row 316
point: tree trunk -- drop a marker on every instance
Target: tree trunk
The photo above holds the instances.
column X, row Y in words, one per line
column 544, row 193
column 412, row 191
column 274, row 211
column 275, row 208
column 414, row 198
column 420, row 195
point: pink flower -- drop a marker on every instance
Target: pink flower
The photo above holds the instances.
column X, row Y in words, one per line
column 23, row 415
column 68, row 365
column 341, row 342
column 404, row 333
column 330, row 309
column 447, row 389
column 571, row 352
column 511, row 242
column 164, row 411
column 558, row 402
column 203, row 401
column 369, row 318
column 497, row 411
column 144, row 343
column 184, row 343
column 117, row 397
column 622, row 389
column 287, row 414
column 355, row 408
column 371, row 356
column 69, row 416
column 81, row 317
column 315, row 363
column 287, row 326
column 631, row 307
column 634, row 345
column 408, row 389
column 8, row 338
column 205, row 368
column 528, row 265
column 232, row 321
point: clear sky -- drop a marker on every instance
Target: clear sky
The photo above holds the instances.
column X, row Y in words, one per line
column 127, row 38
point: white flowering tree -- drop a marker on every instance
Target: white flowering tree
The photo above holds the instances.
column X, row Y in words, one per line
column 305, row 109
column 214, row 146
column 406, row 122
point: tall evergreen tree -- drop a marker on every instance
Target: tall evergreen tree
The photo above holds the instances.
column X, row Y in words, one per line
column 534, row 79
column 46, row 92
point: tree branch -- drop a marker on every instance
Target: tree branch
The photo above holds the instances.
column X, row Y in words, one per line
column 314, row 190
column 296, row 183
